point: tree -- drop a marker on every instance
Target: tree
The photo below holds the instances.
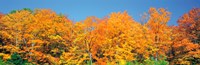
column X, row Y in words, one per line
column 185, row 47
column 182, row 50
column 189, row 24
column 48, row 33
column 44, row 37
column 14, row 27
column 123, row 38
column 84, row 42
column 159, row 31
column 41, row 31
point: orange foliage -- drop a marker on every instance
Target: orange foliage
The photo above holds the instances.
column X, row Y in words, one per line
column 43, row 37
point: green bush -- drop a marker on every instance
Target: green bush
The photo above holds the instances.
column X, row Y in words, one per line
column 17, row 60
column 131, row 63
column 152, row 61
column 2, row 62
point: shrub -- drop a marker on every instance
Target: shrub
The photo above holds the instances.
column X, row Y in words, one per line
column 17, row 60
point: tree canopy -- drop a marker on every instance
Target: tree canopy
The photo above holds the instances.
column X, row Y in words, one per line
column 43, row 37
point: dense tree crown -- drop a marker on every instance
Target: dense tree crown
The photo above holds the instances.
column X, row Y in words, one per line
column 44, row 37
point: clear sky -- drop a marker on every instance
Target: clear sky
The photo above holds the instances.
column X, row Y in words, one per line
column 78, row 10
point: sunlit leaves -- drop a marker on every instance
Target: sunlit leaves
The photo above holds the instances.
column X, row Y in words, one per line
column 185, row 40
column 44, row 37
column 189, row 24
column 159, row 31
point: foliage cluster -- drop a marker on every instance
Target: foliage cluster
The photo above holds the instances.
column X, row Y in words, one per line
column 44, row 37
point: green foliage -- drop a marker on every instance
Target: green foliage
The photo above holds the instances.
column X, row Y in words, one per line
column 17, row 60
column 150, row 61
column 129, row 63
column 61, row 15
column 13, row 11
column 26, row 9
column 89, row 62
column 155, row 62
column 137, row 63
column 2, row 62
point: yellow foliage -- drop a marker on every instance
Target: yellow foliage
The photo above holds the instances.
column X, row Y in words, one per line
column 44, row 37
column 5, row 56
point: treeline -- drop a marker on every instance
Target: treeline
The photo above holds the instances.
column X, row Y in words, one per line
column 44, row 37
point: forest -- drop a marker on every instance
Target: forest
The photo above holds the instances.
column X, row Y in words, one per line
column 43, row 37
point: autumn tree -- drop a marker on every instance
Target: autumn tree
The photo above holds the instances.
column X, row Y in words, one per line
column 83, row 42
column 15, row 27
column 43, row 37
column 123, row 38
column 159, row 30
column 184, row 49
column 48, row 33
column 41, row 31
column 189, row 24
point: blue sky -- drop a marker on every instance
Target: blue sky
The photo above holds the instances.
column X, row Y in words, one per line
column 78, row 10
